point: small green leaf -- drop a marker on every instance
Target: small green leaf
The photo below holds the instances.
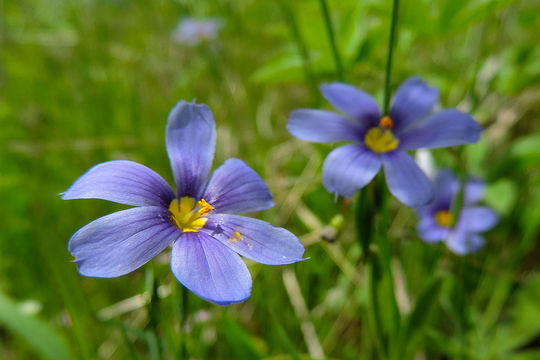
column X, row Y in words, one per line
column 501, row 196
column 527, row 146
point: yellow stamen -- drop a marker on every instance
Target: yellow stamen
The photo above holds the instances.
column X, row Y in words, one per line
column 206, row 207
column 187, row 216
column 444, row 218
column 386, row 123
column 380, row 141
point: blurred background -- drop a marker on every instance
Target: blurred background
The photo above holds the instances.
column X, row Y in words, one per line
column 82, row 82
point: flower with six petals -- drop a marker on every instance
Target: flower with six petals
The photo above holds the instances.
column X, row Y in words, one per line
column 382, row 140
column 198, row 220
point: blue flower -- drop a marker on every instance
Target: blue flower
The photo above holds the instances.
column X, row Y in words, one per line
column 437, row 222
column 192, row 31
column 197, row 220
column 381, row 140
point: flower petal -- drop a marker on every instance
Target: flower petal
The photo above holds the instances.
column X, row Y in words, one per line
column 235, row 188
column 448, row 127
column 209, row 269
column 478, row 218
column 121, row 242
column 430, row 231
column 349, row 168
column 446, row 186
column 405, row 179
column 353, row 102
column 413, row 100
column 255, row 239
column 124, row 182
column 191, row 140
column 322, row 126
column 474, row 191
column 462, row 243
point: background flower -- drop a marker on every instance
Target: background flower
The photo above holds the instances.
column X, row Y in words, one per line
column 437, row 221
column 193, row 31
column 197, row 220
column 382, row 140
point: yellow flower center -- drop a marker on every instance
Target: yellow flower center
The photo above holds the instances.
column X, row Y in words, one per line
column 381, row 139
column 188, row 215
column 444, row 218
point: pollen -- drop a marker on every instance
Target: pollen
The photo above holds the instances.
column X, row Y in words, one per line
column 381, row 141
column 386, row 123
column 444, row 218
column 236, row 236
column 188, row 215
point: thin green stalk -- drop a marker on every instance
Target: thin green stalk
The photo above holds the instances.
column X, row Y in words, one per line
column 391, row 45
column 332, row 39
column 184, row 311
column 382, row 279
column 386, row 253
column 302, row 49
column 154, row 305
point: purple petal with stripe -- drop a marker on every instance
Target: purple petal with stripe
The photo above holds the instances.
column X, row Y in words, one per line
column 406, row 180
column 353, row 102
column 349, row 168
column 235, row 188
column 478, row 218
column 210, row 269
column 191, row 139
column 448, row 127
column 124, row 182
column 322, row 126
column 413, row 100
column 121, row 242
column 255, row 239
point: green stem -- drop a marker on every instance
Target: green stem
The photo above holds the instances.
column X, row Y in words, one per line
column 391, row 45
column 382, row 279
column 184, row 311
column 332, row 39
column 386, row 252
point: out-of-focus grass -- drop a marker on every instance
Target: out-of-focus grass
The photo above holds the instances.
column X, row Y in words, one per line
column 83, row 82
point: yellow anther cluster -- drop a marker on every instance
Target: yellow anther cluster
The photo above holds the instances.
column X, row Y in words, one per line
column 444, row 218
column 189, row 215
column 237, row 236
column 205, row 207
column 380, row 141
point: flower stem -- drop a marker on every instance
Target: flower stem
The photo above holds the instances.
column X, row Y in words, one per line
column 332, row 39
column 391, row 45
column 374, row 215
column 184, row 311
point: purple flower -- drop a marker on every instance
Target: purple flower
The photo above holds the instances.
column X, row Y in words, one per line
column 437, row 222
column 198, row 220
column 381, row 140
column 192, row 31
